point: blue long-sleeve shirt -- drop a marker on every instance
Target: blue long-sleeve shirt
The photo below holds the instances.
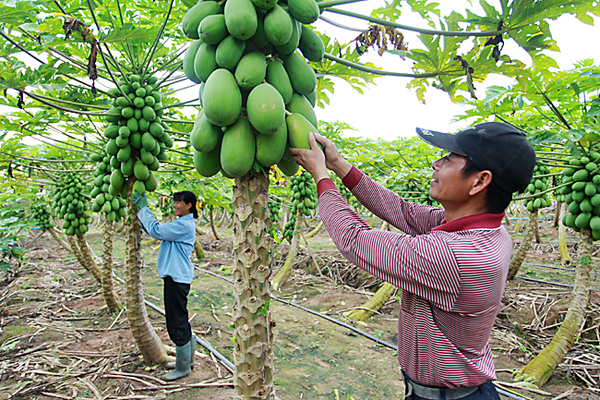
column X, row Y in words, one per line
column 177, row 243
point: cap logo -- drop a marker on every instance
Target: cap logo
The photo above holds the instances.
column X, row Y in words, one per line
column 426, row 132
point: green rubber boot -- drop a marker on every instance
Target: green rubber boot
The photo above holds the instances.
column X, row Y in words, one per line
column 182, row 363
column 171, row 364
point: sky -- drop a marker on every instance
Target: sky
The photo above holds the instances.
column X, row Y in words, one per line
column 389, row 110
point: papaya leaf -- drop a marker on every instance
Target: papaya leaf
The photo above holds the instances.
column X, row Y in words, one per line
column 125, row 33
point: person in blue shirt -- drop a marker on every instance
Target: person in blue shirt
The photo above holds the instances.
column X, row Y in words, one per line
column 175, row 268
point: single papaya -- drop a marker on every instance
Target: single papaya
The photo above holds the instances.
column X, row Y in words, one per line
column 111, row 131
column 127, row 166
column 301, row 74
column 278, row 26
column 266, row 110
column 139, row 186
column 113, row 114
column 229, row 52
column 288, row 167
column 312, row 98
column 311, row 45
column 298, row 130
column 140, row 170
column 305, row 11
column 204, row 63
column 221, row 98
column 124, row 154
column 251, row 70
column 270, row 148
column 212, row 29
column 148, row 141
column 151, row 183
column 299, row 104
column 292, row 44
column 238, row 148
column 240, row 18
column 278, row 77
column 189, row 62
column 264, row 4
column 196, row 14
column 205, row 136
column 111, row 147
column 146, row 156
column 116, row 179
column 148, row 113
column 208, row 163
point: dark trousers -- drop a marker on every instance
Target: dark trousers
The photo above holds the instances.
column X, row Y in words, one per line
column 485, row 391
column 176, row 313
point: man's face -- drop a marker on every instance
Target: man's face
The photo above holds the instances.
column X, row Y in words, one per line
column 181, row 208
column 448, row 185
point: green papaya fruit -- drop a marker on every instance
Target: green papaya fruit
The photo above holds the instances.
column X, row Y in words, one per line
column 148, row 113
column 312, row 98
column 138, row 186
column 111, row 131
column 595, row 223
column 124, row 154
column 240, row 18
column 111, row 147
column 298, row 129
column 127, row 166
column 154, row 165
column 156, row 130
column 292, row 44
column 278, row 26
column 189, row 62
column 581, row 175
column 146, row 156
column 204, row 62
column 116, row 179
column 229, row 52
column 208, row 163
column 148, row 141
column 583, row 220
column 251, row 70
column 270, row 148
column 135, row 140
column 278, row 77
column 113, row 114
column 196, row 14
column 151, row 183
column 301, row 74
column 204, row 135
column 288, row 167
column 212, row 29
column 140, row 170
column 299, row 104
column 265, row 107
column 238, row 148
column 305, row 11
column 311, row 45
column 221, row 98
column 264, row 4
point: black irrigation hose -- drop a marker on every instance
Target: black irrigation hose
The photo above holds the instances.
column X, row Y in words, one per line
column 503, row 392
column 550, row 266
column 353, row 329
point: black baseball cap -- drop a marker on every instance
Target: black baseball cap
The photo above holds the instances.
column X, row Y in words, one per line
column 494, row 146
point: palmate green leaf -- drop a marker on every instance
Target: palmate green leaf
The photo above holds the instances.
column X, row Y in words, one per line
column 22, row 12
column 527, row 12
column 125, row 33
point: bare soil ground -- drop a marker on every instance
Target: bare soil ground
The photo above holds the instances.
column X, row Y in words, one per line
column 58, row 341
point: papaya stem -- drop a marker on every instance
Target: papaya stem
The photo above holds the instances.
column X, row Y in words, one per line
column 146, row 61
column 326, row 4
column 552, row 189
column 412, row 28
column 348, row 28
column 374, row 71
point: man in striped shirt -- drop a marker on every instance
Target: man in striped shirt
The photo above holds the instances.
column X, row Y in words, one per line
column 450, row 263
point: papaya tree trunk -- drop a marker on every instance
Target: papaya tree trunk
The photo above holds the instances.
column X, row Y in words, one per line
column 253, row 353
column 536, row 226
column 72, row 241
column 198, row 250
column 519, row 256
column 557, row 213
column 142, row 331
column 212, row 224
column 541, row 368
column 314, row 231
column 285, row 271
column 62, row 243
column 222, row 218
column 374, row 304
column 108, row 292
column 565, row 257
column 519, row 224
column 89, row 258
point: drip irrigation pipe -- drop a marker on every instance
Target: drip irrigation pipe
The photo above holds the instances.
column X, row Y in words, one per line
column 353, row 329
column 550, row 266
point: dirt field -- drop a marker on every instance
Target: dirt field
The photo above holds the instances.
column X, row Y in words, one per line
column 57, row 340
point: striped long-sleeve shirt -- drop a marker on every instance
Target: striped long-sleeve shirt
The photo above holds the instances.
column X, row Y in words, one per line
column 452, row 277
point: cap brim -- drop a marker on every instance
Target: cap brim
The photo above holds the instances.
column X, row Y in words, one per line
column 444, row 141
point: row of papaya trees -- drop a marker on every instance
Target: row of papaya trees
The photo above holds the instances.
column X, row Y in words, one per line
column 100, row 88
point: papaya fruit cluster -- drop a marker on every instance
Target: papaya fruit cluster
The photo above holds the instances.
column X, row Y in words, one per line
column 274, row 209
column 583, row 194
column 40, row 215
column 107, row 198
column 538, row 184
column 305, row 199
column 417, row 192
column 71, row 205
column 136, row 135
column 256, row 90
